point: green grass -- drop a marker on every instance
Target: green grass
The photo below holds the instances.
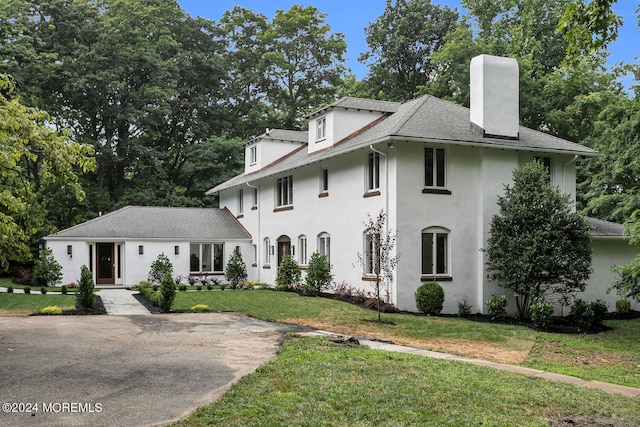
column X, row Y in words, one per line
column 314, row 382
column 23, row 304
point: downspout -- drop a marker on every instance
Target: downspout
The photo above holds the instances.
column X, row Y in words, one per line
column 259, row 243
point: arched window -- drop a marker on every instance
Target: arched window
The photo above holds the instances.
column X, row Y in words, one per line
column 435, row 251
column 324, row 245
column 267, row 251
column 302, row 250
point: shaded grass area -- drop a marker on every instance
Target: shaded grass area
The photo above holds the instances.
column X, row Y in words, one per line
column 315, row 382
column 25, row 304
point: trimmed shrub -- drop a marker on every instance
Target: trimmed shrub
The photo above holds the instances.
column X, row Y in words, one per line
column 430, row 298
column 200, row 308
column 223, row 287
column 52, row 309
column 319, row 275
column 26, row 290
column 47, row 271
column 43, row 290
column 289, row 274
column 588, row 315
column 497, row 306
column 198, row 287
column 159, row 268
column 623, row 306
column 9, row 289
column 167, row 292
column 464, row 307
column 236, row 272
column 86, row 289
column 541, row 313
column 64, row 289
column 183, row 288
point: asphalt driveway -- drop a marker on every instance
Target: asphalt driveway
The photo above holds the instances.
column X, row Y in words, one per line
column 124, row 370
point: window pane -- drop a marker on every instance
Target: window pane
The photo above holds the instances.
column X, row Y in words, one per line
column 427, row 253
column 218, row 257
column 267, row 249
column 428, row 167
column 441, row 253
column 206, row 257
column 440, row 167
column 290, row 191
column 194, row 257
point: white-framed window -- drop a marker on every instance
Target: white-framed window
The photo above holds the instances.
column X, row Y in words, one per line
column 373, row 171
column 254, row 198
column 321, row 128
column 435, row 251
column 284, row 191
column 324, row 180
column 206, row 257
column 255, row 254
column 267, row 251
column 324, row 245
column 370, row 252
column 253, row 155
column 435, row 167
column 302, row 250
column 240, row 201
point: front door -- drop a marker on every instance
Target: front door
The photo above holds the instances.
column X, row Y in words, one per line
column 105, row 263
column 284, row 247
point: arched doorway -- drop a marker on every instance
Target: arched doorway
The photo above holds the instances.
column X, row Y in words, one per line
column 284, row 247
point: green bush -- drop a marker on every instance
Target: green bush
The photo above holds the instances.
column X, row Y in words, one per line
column 236, row 272
column 159, row 268
column 183, row 288
column 289, row 274
column 541, row 313
column 26, row 290
column 9, row 289
column 167, row 292
column 623, row 306
column 319, row 275
column 86, row 289
column 430, row 298
column 64, row 289
column 209, row 286
column 43, row 290
column 464, row 307
column 47, row 271
column 223, row 287
column 588, row 315
column 497, row 306
column 198, row 287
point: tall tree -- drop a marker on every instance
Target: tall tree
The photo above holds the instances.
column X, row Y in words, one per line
column 401, row 42
column 34, row 160
column 538, row 247
column 304, row 62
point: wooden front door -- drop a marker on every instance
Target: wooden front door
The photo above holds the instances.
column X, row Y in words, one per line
column 105, row 264
column 284, row 247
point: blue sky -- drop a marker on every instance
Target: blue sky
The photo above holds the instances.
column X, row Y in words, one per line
column 352, row 16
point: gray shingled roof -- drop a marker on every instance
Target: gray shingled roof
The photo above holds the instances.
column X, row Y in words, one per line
column 605, row 228
column 351, row 103
column 146, row 222
column 283, row 135
column 425, row 119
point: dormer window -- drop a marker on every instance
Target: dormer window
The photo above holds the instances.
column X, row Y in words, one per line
column 253, row 155
column 321, row 128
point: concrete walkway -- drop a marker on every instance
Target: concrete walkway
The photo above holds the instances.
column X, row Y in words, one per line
column 121, row 302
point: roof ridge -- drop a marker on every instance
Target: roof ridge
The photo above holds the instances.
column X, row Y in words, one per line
column 418, row 103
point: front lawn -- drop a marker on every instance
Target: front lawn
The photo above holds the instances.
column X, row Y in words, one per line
column 26, row 304
column 315, row 382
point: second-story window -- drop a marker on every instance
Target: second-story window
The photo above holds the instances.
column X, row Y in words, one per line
column 321, row 128
column 434, row 167
column 253, row 155
column 240, row 201
column 324, row 180
column 284, row 196
column 373, row 172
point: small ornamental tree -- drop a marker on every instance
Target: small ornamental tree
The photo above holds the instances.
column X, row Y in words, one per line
column 167, row 292
column 46, row 271
column 379, row 257
column 236, row 271
column 289, row 274
column 537, row 245
column 85, row 295
column 159, row 268
column 319, row 275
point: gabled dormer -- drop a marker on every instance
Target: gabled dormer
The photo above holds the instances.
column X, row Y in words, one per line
column 331, row 124
column 271, row 146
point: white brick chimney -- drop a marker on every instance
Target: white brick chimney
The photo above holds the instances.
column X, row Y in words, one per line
column 495, row 101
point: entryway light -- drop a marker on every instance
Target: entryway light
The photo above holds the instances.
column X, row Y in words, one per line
column 141, row 249
column 70, row 251
column 176, row 250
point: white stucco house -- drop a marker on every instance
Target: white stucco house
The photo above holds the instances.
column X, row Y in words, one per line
column 434, row 167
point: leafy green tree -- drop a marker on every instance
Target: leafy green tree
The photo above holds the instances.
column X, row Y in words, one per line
column 85, row 294
column 401, row 42
column 47, row 271
column 318, row 277
column 304, row 62
column 160, row 267
column 289, row 274
column 537, row 245
column 627, row 284
column 236, row 271
column 35, row 160
column 167, row 292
